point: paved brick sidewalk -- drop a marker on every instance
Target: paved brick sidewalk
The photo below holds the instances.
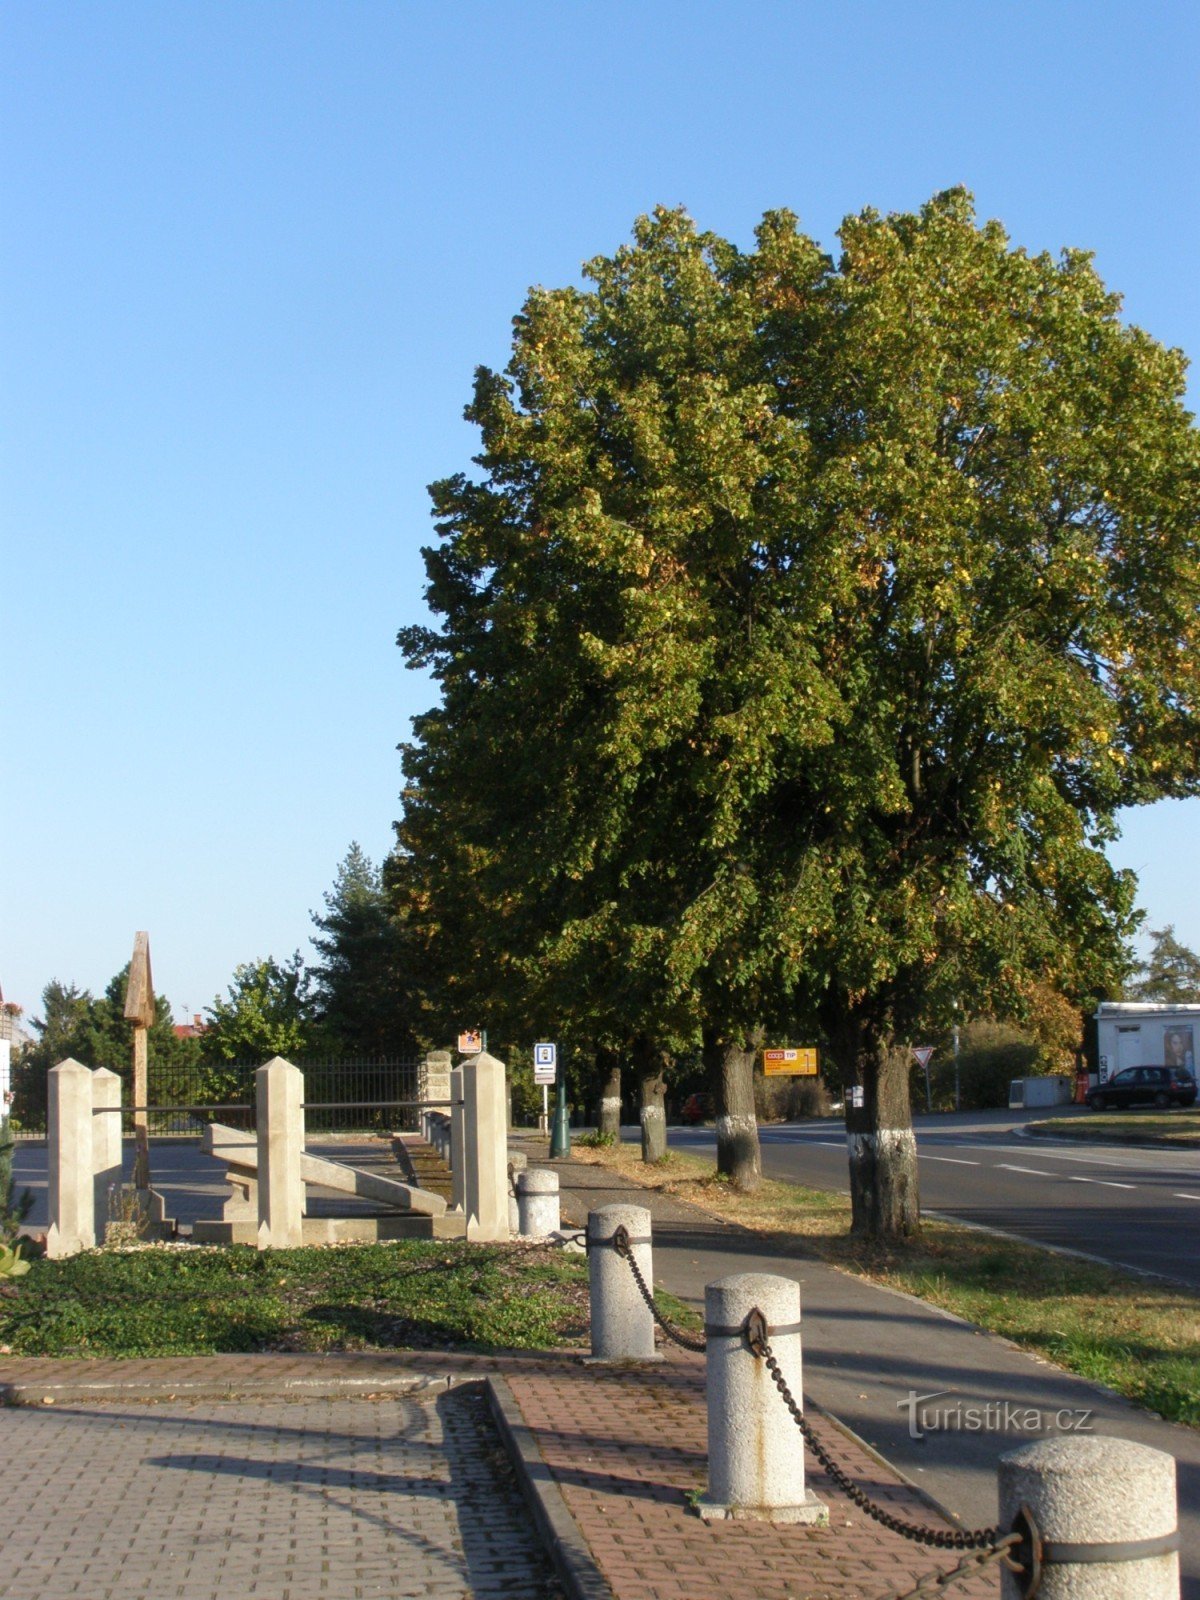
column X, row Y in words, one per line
column 627, row 1446
column 309, row 1499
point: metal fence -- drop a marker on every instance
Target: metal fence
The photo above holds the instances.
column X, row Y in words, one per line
column 341, row 1097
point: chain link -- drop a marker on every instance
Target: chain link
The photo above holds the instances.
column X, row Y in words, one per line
column 620, row 1243
column 940, row 1538
column 936, row 1583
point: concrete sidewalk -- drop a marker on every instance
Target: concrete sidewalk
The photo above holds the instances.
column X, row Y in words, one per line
column 866, row 1349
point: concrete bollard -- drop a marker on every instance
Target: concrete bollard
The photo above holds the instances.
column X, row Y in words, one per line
column 621, row 1321
column 106, row 1143
column 70, row 1156
column 537, row 1203
column 755, row 1450
column 279, row 1095
column 1088, row 1493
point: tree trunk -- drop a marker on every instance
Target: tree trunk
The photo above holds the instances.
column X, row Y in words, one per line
column 884, row 1191
column 731, row 1066
column 650, row 1065
column 609, row 1121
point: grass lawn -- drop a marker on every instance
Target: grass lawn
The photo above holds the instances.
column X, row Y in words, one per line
column 1131, row 1127
column 1137, row 1335
column 416, row 1295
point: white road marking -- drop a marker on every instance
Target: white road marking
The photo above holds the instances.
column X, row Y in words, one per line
column 1186, row 1197
column 832, row 1144
column 955, row 1161
column 1105, row 1183
column 1034, row 1172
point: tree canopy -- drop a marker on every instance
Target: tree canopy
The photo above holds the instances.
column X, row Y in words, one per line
column 267, row 1011
column 805, row 632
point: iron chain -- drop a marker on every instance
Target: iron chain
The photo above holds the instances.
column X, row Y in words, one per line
column 975, row 1539
column 620, row 1243
column 936, row 1583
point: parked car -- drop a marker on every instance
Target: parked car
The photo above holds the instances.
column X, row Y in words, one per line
column 697, row 1108
column 1145, row 1086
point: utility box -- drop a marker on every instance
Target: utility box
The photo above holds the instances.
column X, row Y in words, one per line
column 1136, row 1033
column 1054, row 1090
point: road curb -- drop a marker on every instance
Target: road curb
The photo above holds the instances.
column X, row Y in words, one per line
column 568, row 1548
column 1134, row 1142
column 156, row 1390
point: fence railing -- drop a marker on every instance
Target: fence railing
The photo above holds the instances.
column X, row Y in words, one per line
column 344, row 1096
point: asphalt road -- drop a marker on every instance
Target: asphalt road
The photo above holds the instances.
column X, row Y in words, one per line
column 1135, row 1207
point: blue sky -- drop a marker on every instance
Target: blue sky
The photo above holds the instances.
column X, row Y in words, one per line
column 253, row 253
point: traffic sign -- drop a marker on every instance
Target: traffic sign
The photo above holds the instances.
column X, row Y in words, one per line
column 923, row 1053
column 545, row 1063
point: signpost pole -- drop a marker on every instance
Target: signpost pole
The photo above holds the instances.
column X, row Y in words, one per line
column 957, row 1091
column 545, row 1125
column 560, row 1139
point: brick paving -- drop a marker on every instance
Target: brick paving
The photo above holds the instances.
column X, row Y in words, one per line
column 627, row 1447
column 312, row 1499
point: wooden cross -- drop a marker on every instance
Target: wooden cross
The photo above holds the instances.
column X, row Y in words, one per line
column 139, row 1009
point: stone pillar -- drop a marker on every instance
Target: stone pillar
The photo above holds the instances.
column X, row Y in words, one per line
column 69, row 1150
column 458, row 1153
column 279, row 1096
column 621, row 1322
column 537, row 1203
column 106, row 1143
column 755, row 1450
column 486, row 1144
column 1084, row 1490
column 435, row 1077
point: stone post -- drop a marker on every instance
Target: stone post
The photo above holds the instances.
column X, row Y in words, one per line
column 537, row 1203
column 458, row 1152
column 621, row 1321
column 1087, row 1491
column 279, row 1096
column 69, row 1151
column 435, row 1077
column 755, row 1450
column 486, row 1143
column 106, row 1143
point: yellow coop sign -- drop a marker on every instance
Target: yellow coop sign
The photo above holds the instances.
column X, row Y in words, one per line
column 800, row 1063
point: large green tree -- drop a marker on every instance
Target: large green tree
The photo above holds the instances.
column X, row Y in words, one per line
column 807, row 630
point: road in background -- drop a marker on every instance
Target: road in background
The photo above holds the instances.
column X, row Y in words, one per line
column 1134, row 1207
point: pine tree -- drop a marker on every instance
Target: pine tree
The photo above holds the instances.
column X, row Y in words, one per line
column 361, row 994
column 1172, row 972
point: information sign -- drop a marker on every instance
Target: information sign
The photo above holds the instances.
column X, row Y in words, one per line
column 800, row 1063
column 470, row 1042
column 545, row 1063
